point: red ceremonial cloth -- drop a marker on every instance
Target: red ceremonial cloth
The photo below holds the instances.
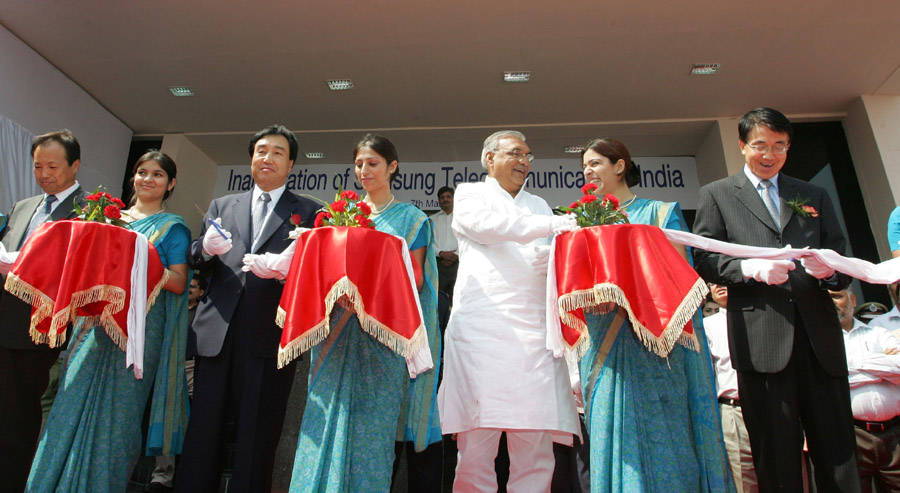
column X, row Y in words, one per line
column 634, row 266
column 70, row 269
column 364, row 265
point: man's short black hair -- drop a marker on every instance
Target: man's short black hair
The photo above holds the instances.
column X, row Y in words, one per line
column 445, row 189
column 774, row 119
column 62, row 137
column 277, row 130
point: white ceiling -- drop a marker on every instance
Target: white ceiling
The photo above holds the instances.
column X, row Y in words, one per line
column 428, row 73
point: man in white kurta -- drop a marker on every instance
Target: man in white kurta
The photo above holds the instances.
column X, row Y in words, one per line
column 499, row 375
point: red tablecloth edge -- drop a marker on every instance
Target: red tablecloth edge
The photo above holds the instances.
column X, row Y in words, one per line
column 345, row 287
column 608, row 292
column 113, row 295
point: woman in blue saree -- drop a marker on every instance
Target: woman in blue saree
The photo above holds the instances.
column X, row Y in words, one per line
column 92, row 438
column 653, row 422
column 360, row 397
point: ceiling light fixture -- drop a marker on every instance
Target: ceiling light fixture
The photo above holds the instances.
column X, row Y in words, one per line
column 573, row 149
column 705, row 68
column 315, row 155
column 181, row 91
column 516, row 76
column 340, row 84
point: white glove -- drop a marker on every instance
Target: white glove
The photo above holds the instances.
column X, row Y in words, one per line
column 768, row 271
column 541, row 259
column 561, row 224
column 296, row 232
column 816, row 267
column 213, row 243
column 270, row 265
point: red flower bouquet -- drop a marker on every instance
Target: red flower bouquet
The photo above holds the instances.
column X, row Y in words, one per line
column 102, row 207
column 591, row 210
column 346, row 210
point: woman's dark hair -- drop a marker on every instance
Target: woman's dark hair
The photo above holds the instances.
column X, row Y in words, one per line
column 614, row 150
column 165, row 162
column 384, row 147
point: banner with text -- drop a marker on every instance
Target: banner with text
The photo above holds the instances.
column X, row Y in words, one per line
column 670, row 179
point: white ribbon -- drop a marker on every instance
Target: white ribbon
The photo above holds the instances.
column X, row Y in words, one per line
column 886, row 272
column 137, row 307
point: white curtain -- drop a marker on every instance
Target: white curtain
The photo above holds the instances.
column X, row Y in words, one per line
column 15, row 164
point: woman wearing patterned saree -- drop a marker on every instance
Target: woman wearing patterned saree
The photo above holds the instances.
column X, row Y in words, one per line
column 92, row 437
column 360, row 395
column 653, row 422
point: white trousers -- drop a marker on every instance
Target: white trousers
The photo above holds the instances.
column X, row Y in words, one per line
column 531, row 460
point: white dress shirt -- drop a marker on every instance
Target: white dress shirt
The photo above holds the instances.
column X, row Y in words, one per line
column 444, row 239
column 716, row 327
column 874, row 376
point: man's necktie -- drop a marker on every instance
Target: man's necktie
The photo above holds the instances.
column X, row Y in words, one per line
column 40, row 216
column 770, row 203
column 259, row 213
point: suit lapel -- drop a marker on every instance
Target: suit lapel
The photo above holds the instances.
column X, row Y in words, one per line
column 18, row 223
column 280, row 215
column 240, row 211
column 748, row 195
column 66, row 208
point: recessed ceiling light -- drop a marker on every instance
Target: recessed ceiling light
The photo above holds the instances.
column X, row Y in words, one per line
column 705, row 68
column 315, row 155
column 573, row 149
column 516, row 76
column 181, row 91
column 340, row 84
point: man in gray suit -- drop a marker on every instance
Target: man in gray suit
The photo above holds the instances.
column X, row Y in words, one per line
column 783, row 334
column 237, row 338
column 25, row 366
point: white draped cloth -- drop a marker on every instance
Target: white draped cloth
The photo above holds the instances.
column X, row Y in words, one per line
column 498, row 372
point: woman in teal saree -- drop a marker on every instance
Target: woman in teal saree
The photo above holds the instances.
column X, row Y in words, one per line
column 92, row 438
column 360, row 397
column 653, row 422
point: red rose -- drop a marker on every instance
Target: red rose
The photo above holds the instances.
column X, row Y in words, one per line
column 108, row 196
column 811, row 210
column 93, row 197
column 118, row 202
column 588, row 188
column 349, row 195
column 296, row 219
column 339, row 206
column 587, row 199
column 364, row 207
column 574, row 205
column 612, row 200
column 320, row 218
column 112, row 212
column 361, row 220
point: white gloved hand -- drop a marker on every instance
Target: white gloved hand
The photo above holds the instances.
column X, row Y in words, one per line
column 816, row 267
column 768, row 271
column 541, row 259
column 213, row 242
column 270, row 265
column 296, row 232
column 561, row 224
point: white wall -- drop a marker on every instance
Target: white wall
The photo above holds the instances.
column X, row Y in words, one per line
column 37, row 96
column 195, row 180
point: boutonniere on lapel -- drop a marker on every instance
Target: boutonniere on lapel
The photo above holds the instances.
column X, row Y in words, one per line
column 798, row 205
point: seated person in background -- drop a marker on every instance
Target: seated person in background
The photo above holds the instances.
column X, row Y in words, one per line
column 873, row 359
column 737, row 443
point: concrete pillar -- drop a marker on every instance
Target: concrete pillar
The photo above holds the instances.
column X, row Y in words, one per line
column 872, row 126
column 195, row 180
column 719, row 155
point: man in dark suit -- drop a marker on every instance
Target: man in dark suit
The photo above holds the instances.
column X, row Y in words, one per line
column 785, row 342
column 24, row 365
column 237, row 338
